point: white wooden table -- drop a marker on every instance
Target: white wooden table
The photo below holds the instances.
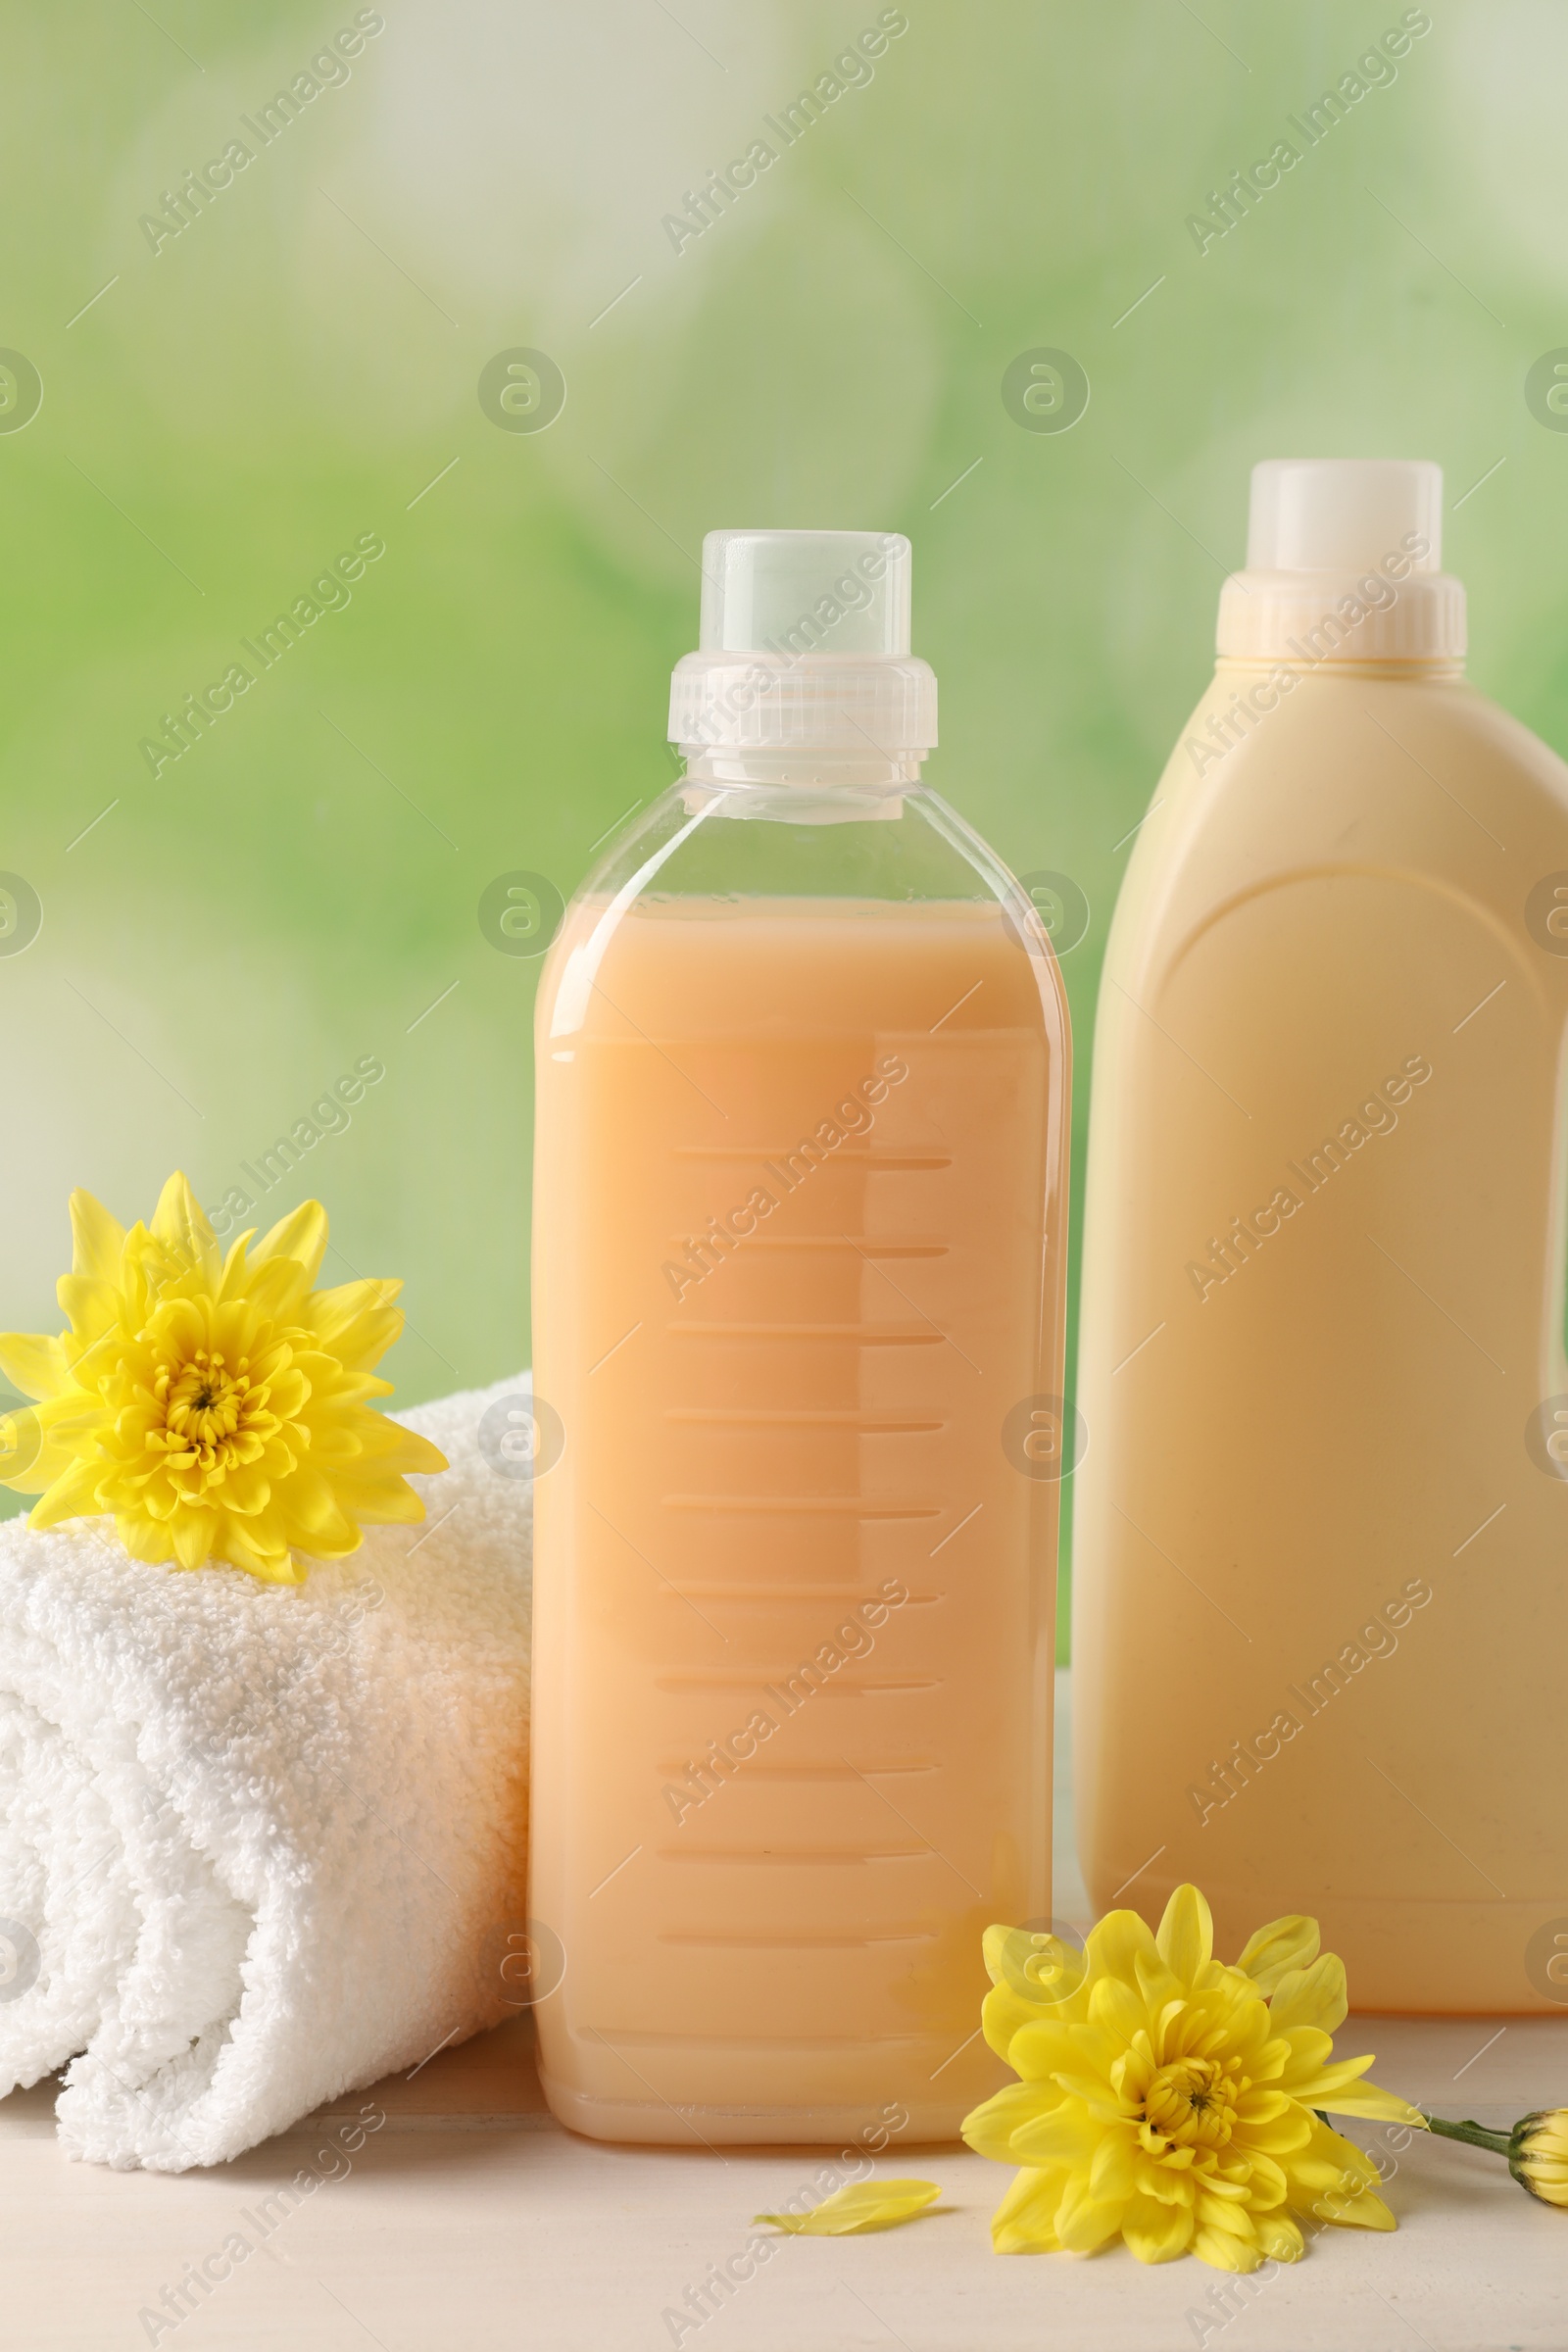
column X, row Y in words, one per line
column 471, row 2221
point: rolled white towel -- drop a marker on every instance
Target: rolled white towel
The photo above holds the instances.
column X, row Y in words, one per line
column 259, row 1844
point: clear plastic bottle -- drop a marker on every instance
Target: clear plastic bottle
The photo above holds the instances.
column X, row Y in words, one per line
column 801, row 1186
column 1321, row 1527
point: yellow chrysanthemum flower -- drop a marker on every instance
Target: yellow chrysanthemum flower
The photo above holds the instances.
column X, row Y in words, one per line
column 1168, row 2099
column 216, row 1406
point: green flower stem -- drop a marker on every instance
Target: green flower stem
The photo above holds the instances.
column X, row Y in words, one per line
column 1474, row 2135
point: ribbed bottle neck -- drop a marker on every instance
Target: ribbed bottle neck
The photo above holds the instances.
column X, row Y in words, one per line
column 1307, row 619
column 732, row 702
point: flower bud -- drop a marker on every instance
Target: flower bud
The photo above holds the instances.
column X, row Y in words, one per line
column 1538, row 2154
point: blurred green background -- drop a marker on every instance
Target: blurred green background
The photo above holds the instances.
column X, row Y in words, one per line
column 300, row 366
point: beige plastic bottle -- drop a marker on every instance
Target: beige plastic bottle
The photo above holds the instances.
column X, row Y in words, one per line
column 1321, row 1534
column 802, row 1073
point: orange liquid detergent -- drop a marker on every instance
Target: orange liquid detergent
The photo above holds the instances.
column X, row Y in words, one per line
column 799, row 1214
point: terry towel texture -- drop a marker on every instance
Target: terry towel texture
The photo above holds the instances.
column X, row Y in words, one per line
column 262, row 1844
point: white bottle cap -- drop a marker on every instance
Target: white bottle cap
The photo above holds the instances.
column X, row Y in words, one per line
column 1344, row 560
column 805, row 645
column 1342, row 514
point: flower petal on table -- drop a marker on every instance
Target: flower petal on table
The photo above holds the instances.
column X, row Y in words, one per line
column 863, row 2205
